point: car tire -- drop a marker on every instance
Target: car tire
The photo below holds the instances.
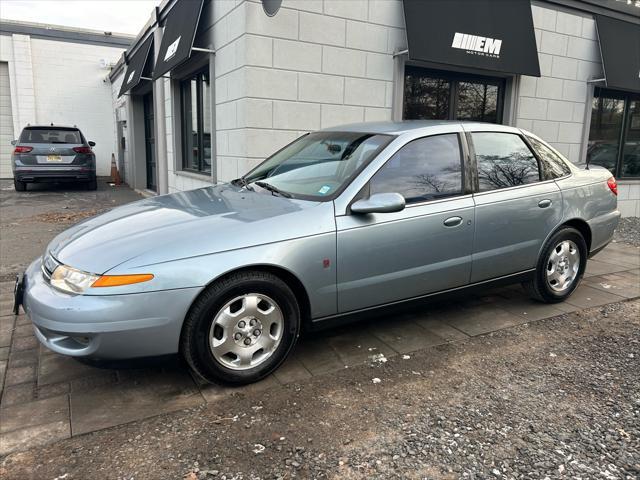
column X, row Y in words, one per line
column 254, row 307
column 92, row 184
column 19, row 186
column 560, row 267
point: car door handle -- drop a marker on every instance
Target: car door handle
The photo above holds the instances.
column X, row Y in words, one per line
column 452, row 221
column 544, row 203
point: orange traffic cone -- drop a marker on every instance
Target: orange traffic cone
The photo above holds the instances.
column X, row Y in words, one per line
column 115, row 175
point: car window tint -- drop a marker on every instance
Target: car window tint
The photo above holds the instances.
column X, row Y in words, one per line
column 424, row 169
column 504, row 160
column 553, row 166
column 51, row 135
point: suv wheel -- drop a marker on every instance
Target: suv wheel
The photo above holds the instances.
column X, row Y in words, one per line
column 241, row 328
column 92, row 184
column 19, row 186
column 560, row 267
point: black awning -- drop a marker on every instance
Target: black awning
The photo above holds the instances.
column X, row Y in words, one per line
column 136, row 66
column 620, row 49
column 177, row 39
column 482, row 34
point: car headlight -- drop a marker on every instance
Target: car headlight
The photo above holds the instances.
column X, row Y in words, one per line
column 72, row 280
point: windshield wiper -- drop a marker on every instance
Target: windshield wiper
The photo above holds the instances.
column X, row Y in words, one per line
column 272, row 189
column 242, row 182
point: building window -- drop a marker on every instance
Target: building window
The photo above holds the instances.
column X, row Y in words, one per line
column 195, row 94
column 436, row 95
column 614, row 134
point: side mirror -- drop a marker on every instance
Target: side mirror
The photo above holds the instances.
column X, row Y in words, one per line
column 92, row 144
column 379, row 203
column 14, row 142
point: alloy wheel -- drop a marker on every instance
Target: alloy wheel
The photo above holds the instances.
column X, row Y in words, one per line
column 246, row 331
column 563, row 266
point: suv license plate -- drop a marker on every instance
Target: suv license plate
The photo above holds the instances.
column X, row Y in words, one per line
column 54, row 158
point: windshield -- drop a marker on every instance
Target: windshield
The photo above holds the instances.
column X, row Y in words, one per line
column 51, row 135
column 318, row 165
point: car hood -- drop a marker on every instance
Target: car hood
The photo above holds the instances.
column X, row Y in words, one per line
column 188, row 224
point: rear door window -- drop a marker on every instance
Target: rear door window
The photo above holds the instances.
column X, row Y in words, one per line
column 552, row 165
column 424, row 169
column 504, row 160
column 51, row 135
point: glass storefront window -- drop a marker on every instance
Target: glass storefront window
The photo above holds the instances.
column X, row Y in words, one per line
column 196, row 122
column 631, row 152
column 614, row 134
column 477, row 101
column 436, row 95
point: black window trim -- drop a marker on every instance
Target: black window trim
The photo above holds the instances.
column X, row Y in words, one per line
column 476, row 188
column 464, row 191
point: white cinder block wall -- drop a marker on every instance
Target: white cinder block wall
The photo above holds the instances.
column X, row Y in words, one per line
column 63, row 83
column 554, row 105
column 315, row 64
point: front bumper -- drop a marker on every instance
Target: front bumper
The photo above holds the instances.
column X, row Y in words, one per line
column 105, row 326
column 46, row 173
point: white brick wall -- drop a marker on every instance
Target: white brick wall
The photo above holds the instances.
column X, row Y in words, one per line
column 63, row 83
column 553, row 105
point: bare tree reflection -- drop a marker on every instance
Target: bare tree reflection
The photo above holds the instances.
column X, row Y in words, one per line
column 496, row 171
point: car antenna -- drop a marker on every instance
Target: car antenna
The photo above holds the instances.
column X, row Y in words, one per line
column 52, row 124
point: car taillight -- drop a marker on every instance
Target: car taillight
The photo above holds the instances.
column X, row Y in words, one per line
column 613, row 185
column 82, row 149
column 23, row 149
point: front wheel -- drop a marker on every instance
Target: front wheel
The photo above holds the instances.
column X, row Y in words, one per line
column 241, row 328
column 560, row 267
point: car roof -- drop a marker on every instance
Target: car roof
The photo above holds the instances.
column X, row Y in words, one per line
column 410, row 126
column 70, row 127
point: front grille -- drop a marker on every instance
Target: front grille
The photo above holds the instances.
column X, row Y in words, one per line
column 49, row 264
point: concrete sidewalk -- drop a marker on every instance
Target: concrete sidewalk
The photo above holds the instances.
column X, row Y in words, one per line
column 46, row 397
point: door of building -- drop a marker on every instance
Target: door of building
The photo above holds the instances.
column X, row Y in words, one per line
column 438, row 95
column 150, row 141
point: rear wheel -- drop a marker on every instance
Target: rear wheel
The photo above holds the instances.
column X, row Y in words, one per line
column 560, row 267
column 92, row 184
column 241, row 328
column 19, row 186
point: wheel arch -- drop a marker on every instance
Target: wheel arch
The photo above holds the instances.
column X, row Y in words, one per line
column 283, row 274
column 579, row 224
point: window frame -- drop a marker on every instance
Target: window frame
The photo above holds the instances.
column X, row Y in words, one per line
column 474, row 162
column 186, row 156
column 627, row 98
column 465, row 189
column 454, row 79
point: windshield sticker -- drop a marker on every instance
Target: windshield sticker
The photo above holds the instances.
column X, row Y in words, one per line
column 324, row 190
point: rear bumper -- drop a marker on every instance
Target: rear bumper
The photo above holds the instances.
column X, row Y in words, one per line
column 44, row 173
column 105, row 326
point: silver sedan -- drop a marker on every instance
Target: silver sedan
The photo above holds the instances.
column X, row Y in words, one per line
column 341, row 221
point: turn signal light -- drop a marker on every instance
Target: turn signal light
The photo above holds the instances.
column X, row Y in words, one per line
column 613, row 185
column 82, row 149
column 120, row 280
column 23, row 149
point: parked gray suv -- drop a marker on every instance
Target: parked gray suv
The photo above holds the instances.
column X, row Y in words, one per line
column 337, row 223
column 52, row 154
